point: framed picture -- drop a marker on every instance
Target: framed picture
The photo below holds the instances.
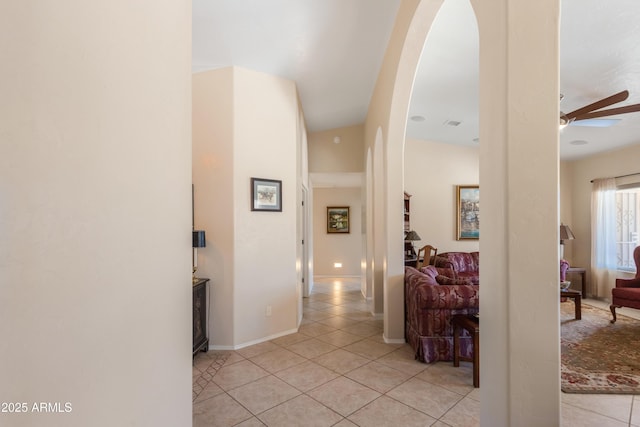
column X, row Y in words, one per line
column 266, row 195
column 468, row 212
column 338, row 219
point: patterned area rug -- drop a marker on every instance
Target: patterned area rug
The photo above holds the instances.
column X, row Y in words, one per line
column 597, row 356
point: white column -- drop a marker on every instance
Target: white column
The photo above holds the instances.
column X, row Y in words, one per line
column 520, row 357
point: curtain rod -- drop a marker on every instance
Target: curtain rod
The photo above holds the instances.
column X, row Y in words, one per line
column 622, row 176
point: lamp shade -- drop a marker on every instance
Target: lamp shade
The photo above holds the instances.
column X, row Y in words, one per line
column 565, row 233
column 199, row 240
column 412, row 235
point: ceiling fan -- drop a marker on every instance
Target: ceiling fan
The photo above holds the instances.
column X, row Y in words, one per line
column 595, row 111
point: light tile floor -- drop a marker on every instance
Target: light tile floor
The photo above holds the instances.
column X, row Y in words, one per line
column 337, row 371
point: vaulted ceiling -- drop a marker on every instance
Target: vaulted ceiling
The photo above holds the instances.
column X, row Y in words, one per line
column 333, row 50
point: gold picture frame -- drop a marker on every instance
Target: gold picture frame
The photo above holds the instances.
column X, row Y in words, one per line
column 467, row 212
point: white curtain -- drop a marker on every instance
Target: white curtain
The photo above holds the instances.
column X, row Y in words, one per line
column 603, row 236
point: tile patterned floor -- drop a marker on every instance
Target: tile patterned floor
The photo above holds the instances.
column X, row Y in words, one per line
column 337, row 371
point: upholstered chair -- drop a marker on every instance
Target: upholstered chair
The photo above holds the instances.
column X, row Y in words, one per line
column 627, row 291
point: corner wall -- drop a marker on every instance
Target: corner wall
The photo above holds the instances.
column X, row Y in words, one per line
column 246, row 125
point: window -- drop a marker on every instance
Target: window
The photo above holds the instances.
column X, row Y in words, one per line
column 627, row 225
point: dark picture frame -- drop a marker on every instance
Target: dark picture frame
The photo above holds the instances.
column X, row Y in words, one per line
column 338, row 219
column 266, row 195
column 468, row 212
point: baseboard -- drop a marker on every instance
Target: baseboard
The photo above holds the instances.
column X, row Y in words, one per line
column 250, row 343
column 394, row 341
column 333, row 276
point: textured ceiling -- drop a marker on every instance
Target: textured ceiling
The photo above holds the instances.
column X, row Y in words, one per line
column 333, row 50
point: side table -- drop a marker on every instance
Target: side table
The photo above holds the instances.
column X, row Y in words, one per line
column 576, row 296
column 583, row 276
column 471, row 324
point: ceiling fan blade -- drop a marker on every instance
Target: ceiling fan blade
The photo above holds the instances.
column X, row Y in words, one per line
column 595, row 123
column 613, row 99
column 610, row 112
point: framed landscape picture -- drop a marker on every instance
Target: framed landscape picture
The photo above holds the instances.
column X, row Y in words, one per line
column 468, row 212
column 338, row 219
column 266, row 195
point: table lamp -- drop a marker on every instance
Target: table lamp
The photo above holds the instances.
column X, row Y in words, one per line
column 199, row 241
column 409, row 238
column 565, row 234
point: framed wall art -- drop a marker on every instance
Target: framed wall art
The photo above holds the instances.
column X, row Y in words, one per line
column 266, row 195
column 338, row 219
column 468, row 212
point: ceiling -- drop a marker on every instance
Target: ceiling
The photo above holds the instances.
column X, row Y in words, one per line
column 333, row 50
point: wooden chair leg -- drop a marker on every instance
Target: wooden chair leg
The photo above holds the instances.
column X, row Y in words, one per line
column 613, row 307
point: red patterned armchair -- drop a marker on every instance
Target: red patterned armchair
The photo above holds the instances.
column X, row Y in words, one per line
column 627, row 291
column 465, row 264
column 431, row 300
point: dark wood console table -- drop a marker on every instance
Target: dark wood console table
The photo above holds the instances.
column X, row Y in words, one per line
column 200, row 335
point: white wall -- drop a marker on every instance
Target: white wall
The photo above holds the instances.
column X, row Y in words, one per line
column 432, row 171
column 337, row 247
column 95, row 218
column 246, row 125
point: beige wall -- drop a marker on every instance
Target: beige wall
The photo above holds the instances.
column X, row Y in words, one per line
column 328, row 157
column 331, row 248
column 95, row 218
column 580, row 173
column 213, row 156
column 565, row 196
column 246, row 125
column 432, row 171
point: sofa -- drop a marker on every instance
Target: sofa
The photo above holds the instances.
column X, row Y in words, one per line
column 466, row 265
column 431, row 300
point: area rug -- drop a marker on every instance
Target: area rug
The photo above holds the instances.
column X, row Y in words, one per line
column 597, row 356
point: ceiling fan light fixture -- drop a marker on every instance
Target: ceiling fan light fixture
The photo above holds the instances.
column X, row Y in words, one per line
column 564, row 120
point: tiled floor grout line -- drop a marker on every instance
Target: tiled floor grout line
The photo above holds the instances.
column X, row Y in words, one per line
column 350, row 315
column 273, row 374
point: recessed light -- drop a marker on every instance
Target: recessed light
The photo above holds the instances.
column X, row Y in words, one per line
column 579, row 142
column 336, row 140
column 476, row 139
column 452, row 122
column 337, row 265
column 417, row 118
